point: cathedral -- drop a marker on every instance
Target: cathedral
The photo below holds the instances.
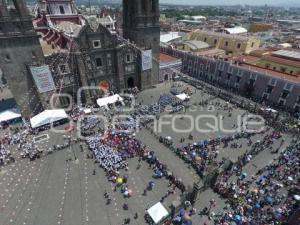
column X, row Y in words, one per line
column 68, row 53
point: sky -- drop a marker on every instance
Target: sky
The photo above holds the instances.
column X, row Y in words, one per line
column 225, row 2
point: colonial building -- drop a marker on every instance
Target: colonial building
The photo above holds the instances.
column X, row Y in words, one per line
column 272, row 87
column 233, row 44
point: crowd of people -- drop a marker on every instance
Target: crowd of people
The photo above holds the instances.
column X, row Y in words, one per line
column 268, row 197
column 271, row 196
column 203, row 153
column 112, row 149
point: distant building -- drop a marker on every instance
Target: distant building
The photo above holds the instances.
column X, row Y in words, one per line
column 107, row 21
column 233, row 45
column 191, row 22
column 192, row 46
column 259, row 27
column 285, row 61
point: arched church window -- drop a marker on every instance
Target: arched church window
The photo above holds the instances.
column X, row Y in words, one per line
column 62, row 9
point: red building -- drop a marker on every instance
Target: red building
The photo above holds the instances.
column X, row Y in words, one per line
column 58, row 21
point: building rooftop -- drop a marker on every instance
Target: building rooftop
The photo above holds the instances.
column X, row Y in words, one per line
column 195, row 45
column 211, row 52
column 48, row 49
column 235, row 30
column 272, row 73
column 171, row 36
column 282, row 61
column 164, row 58
column 69, row 28
column 217, row 34
column 248, row 59
column 294, row 55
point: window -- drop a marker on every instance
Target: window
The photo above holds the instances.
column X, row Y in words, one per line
column 109, row 62
column 284, row 94
column 228, row 76
column 64, row 69
column 265, row 96
column 282, row 69
column 205, row 39
column 273, row 82
column 288, row 87
column 98, row 62
column 97, row 44
column 226, row 43
column 66, row 80
column 215, row 41
column 61, row 9
column 128, row 58
column 298, row 102
column 252, row 44
column 7, row 58
column 129, row 68
column 153, row 5
column 239, row 45
column 269, row 89
column 281, row 102
column 274, row 68
column 144, row 6
column 238, row 79
column 251, row 82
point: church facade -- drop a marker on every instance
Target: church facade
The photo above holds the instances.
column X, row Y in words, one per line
column 88, row 56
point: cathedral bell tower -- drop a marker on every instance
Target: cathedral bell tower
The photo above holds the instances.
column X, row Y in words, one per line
column 141, row 27
column 20, row 49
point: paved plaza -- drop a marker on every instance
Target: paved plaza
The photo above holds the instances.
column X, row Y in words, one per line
column 68, row 187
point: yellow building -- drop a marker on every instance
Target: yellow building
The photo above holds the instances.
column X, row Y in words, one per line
column 284, row 61
column 233, row 45
column 192, row 46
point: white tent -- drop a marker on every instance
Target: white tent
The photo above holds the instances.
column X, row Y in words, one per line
column 157, row 212
column 87, row 111
column 182, row 96
column 109, row 100
column 47, row 117
column 269, row 110
column 8, row 115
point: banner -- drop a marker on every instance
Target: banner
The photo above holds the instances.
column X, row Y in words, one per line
column 147, row 60
column 43, row 78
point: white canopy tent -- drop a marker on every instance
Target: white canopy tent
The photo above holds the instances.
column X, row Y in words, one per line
column 157, row 212
column 269, row 110
column 87, row 111
column 47, row 117
column 9, row 114
column 109, row 100
column 183, row 96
